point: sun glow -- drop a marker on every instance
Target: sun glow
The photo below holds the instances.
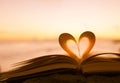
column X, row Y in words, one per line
column 46, row 19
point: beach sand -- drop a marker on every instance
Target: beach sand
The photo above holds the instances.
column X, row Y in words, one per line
column 69, row 78
column 75, row 79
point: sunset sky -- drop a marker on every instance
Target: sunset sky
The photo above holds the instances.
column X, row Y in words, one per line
column 46, row 19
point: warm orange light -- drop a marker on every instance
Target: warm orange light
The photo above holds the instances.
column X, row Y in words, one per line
column 46, row 19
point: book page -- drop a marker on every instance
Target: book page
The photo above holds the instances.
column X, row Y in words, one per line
column 106, row 46
column 106, row 59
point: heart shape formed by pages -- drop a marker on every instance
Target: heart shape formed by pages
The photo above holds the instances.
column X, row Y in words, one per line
column 64, row 37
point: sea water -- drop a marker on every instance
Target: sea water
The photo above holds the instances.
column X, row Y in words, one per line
column 17, row 51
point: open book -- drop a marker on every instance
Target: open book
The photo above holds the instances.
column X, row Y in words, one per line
column 86, row 63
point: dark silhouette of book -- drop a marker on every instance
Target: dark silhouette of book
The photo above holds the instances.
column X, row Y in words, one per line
column 71, row 63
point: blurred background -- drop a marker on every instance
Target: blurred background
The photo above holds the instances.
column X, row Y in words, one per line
column 46, row 19
column 30, row 28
